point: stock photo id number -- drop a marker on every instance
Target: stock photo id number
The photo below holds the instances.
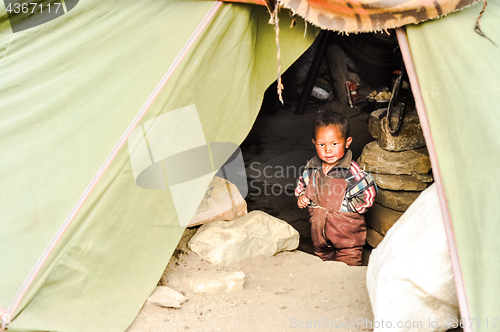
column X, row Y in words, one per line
column 27, row 14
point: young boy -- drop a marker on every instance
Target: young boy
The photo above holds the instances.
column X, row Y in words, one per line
column 336, row 191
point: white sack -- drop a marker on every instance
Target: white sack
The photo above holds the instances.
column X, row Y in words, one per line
column 410, row 278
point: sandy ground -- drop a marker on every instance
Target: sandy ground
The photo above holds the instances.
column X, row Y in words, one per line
column 282, row 293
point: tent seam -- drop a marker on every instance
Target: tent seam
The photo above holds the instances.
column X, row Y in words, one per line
column 4, row 316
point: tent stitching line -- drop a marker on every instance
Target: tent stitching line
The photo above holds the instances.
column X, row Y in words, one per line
column 450, row 235
column 6, row 317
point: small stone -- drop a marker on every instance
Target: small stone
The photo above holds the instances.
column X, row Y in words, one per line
column 164, row 296
column 222, row 201
column 381, row 218
column 206, row 286
column 409, row 135
column 373, row 238
column 374, row 159
column 234, row 281
column 396, row 200
column 255, row 234
column 229, row 282
column 401, row 182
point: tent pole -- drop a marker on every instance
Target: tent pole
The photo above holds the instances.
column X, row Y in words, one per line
column 313, row 72
column 424, row 120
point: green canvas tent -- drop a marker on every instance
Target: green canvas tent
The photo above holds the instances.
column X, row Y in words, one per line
column 75, row 225
column 458, row 78
column 77, row 235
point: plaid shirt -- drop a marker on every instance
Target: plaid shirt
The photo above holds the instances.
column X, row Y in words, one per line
column 361, row 188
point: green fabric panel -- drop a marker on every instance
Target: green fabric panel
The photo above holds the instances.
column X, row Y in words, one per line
column 82, row 81
column 83, row 77
column 459, row 75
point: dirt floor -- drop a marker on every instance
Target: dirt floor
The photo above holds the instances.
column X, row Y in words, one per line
column 291, row 290
column 281, row 293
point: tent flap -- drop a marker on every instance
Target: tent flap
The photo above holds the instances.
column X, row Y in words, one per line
column 458, row 75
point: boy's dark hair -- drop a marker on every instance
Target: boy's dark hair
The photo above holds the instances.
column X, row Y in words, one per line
column 332, row 118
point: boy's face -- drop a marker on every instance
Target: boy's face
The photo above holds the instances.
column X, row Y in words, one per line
column 330, row 144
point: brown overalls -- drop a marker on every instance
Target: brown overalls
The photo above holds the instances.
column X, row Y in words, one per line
column 336, row 235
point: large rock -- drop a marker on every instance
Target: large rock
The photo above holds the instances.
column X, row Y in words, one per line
column 255, row 234
column 409, row 135
column 374, row 159
column 396, row 200
column 381, row 218
column 164, row 296
column 416, row 182
column 222, row 201
column 373, row 238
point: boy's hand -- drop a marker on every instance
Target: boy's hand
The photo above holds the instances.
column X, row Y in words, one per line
column 303, row 201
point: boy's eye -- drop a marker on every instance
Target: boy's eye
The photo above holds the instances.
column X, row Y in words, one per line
column 321, row 144
column 334, row 144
